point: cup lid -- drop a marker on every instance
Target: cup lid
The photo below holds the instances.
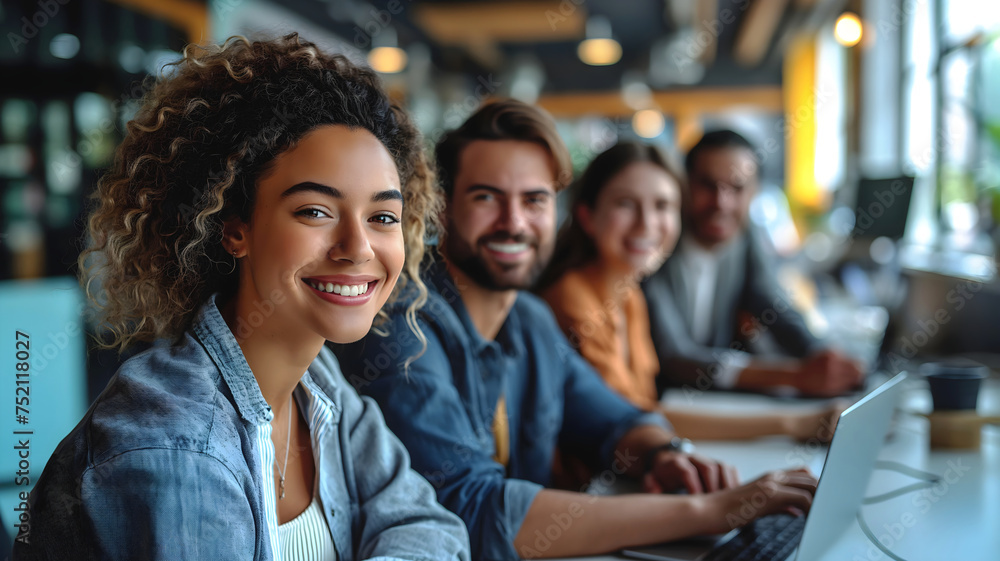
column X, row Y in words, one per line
column 954, row 368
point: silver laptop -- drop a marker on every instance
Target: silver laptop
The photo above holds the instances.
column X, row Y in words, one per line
column 842, row 484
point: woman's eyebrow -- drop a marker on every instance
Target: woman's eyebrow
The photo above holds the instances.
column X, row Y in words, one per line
column 310, row 186
column 387, row 195
column 314, row 187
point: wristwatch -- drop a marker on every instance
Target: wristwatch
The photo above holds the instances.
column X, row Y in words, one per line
column 676, row 444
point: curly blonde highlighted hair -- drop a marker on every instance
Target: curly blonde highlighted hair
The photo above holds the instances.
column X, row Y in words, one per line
column 191, row 159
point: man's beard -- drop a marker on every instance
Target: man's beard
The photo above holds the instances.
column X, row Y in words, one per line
column 468, row 260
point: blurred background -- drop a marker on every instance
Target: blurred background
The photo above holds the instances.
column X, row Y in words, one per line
column 877, row 124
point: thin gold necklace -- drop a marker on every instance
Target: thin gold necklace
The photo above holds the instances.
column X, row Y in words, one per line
column 288, row 444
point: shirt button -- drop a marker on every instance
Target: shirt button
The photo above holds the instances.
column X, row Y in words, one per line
column 332, row 513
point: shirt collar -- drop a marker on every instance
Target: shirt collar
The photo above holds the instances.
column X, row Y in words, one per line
column 221, row 345
column 438, row 279
column 694, row 250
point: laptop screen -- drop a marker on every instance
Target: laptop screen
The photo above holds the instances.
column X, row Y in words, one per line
column 850, row 460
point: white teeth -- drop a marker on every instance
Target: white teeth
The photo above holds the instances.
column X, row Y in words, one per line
column 642, row 245
column 508, row 247
column 341, row 289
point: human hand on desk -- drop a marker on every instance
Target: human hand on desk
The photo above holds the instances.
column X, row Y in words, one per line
column 828, row 373
column 670, row 471
column 817, row 425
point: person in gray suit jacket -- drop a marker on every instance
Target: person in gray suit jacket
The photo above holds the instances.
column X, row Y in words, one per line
column 718, row 293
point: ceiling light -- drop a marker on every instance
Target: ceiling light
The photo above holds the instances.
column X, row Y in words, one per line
column 599, row 52
column 848, row 29
column 599, row 48
column 648, row 123
column 387, row 60
column 386, row 56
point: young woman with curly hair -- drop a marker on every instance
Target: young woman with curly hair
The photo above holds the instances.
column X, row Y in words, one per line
column 267, row 198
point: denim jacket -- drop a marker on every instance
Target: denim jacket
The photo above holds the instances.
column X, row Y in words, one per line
column 173, row 461
column 442, row 406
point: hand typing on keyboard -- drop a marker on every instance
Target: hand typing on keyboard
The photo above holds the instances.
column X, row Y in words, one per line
column 771, row 538
column 785, row 491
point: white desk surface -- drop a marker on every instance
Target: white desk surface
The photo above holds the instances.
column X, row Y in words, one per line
column 958, row 518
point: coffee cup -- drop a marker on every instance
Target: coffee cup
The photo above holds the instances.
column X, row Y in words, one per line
column 954, row 385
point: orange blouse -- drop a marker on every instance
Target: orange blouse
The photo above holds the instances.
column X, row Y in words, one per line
column 588, row 313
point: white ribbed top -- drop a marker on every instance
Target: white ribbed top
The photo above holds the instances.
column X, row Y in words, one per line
column 307, row 537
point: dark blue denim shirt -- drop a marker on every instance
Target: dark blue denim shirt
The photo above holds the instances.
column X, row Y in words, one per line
column 442, row 406
column 174, row 461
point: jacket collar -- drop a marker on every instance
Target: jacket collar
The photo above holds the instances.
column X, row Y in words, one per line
column 215, row 335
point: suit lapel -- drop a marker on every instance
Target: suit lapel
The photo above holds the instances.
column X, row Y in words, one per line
column 676, row 278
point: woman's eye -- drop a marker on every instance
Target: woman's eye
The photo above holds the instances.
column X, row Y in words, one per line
column 312, row 213
column 385, row 219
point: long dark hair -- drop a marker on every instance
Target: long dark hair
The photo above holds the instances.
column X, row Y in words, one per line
column 574, row 247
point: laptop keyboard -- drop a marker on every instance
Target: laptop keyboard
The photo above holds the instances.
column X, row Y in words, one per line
column 768, row 538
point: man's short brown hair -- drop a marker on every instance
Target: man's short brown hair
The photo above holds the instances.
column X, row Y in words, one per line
column 507, row 119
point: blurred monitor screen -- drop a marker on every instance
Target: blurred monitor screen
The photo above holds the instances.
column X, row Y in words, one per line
column 882, row 207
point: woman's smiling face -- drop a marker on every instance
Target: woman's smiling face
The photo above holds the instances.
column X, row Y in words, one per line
column 635, row 221
column 324, row 245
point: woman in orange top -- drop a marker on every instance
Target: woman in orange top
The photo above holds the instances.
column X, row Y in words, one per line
column 625, row 222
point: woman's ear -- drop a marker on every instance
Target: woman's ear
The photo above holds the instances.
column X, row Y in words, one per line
column 234, row 237
column 585, row 217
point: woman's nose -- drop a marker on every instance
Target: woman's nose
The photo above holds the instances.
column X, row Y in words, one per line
column 351, row 243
